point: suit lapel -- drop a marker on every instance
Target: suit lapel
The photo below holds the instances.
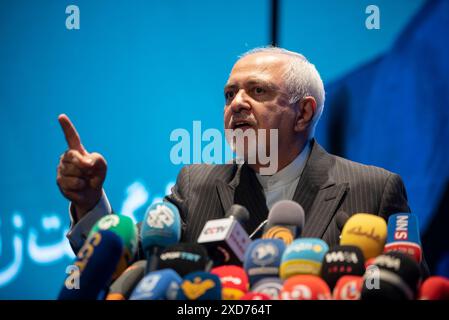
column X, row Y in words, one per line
column 323, row 209
column 317, row 192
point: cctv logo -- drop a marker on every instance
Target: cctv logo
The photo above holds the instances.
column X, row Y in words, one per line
column 160, row 217
column 214, row 230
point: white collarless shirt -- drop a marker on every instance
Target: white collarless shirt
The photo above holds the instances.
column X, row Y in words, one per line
column 282, row 185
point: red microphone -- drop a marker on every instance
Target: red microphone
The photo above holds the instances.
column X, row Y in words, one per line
column 305, row 287
column 434, row 288
column 348, row 288
column 234, row 281
column 255, row 296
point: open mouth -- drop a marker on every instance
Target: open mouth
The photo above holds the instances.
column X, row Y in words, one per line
column 241, row 125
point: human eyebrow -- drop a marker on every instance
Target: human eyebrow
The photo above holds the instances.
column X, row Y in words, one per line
column 229, row 86
column 271, row 86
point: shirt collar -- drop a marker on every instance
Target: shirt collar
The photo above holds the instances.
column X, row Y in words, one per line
column 288, row 174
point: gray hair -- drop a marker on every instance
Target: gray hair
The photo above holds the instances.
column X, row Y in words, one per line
column 302, row 79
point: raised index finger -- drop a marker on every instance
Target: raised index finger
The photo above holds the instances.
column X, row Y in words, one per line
column 71, row 135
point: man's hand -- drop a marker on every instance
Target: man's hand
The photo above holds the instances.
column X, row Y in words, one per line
column 80, row 174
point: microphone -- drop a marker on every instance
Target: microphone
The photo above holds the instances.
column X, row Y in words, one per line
column 184, row 258
column 285, row 221
column 263, row 258
column 200, row 286
column 96, row 261
column 125, row 228
column 341, row 261
column 435, row 288
column 157, row 285
column 234, row 281
column 269, row 286
column 366, row 231
column 122, row 288
column 225, row 239
column 161, row 227
column 303, row 256
column 394, row 276
column 348, row 288
column 403, row 235
column 238, row 212
column 255, row 296
column 305, row 287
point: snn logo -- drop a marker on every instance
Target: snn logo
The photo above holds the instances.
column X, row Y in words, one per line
column 401, row 232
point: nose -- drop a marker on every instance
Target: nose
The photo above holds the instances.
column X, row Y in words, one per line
column 240, row 102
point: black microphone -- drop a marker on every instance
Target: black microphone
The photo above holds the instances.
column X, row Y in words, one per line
column 393, row 276
column 184, row 258
column 342, row 261
column 285, row 221
column 225, row 239
column 238, row 212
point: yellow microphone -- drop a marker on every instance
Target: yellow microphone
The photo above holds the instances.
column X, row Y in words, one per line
column 366, row 231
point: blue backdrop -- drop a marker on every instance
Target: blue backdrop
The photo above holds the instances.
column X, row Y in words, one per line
column 137, row 70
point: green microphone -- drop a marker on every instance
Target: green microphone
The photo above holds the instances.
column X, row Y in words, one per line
column 125, row 228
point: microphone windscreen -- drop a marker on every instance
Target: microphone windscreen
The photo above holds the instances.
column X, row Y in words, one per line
column 303, row 256
column 305, row 287
column 341, row 261
column 270, row 286
column 403, row 235
column 255, row 296
column 184, row 258
column 234, row 281
column 96, row 262
column 157, row 285
column 263, row 259
column 238, row 212
column 348, row 288
column 122, row 288
column 286, row 212
column 393, row 276
column 161, row 226
column 200, row 286
column 434, row 288
column 366, row 231
column 125, row 228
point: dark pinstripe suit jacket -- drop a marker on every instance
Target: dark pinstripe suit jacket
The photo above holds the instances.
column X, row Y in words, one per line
column 329, row 186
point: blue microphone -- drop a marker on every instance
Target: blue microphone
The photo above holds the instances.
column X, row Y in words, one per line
column 303, row 256
column 161, row 227
column 96, row 262
column 157, row 285
column 200, row 286
column 263, row 259
column 403, row 235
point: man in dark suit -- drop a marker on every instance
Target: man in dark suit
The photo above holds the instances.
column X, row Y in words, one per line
column 268, row 88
